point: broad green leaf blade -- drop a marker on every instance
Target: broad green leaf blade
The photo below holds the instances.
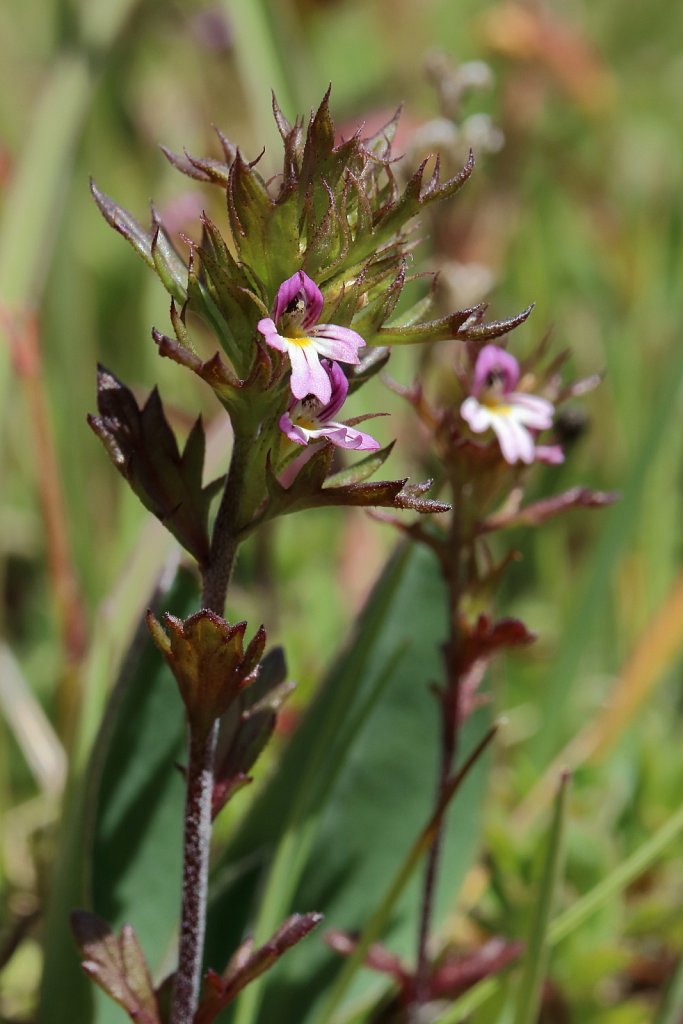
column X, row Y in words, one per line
column 122, row 853
column 361, row 827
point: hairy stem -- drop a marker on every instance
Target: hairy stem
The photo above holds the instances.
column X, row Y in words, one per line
column 202, row 750
column 449, row 705
column 196, row 846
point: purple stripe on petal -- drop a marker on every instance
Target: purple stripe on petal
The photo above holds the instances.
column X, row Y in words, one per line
column 340, row 343
column 300, row 284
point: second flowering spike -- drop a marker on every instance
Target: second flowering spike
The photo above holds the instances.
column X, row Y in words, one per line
column 207, row 657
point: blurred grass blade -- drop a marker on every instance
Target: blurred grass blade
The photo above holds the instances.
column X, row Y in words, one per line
column 32, row 730
column 655, row 652
column 619, row 879
column 670, row 1010
column 379, row 918
column 32, row 203
column 632, row 868
column 615, row 536
column 536, row 952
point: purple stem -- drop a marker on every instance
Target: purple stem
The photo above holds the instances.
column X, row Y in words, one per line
column 449, row 705
column 202, row 753
column 196, row 846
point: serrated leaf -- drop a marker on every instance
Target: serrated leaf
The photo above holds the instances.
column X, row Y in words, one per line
column 247, row 726
column 362, row 469
column 143, row 448
column 153, row 246
column 124, row 223
column 117, row 964
column 539, row 512
column 250, row 963
column 446, row 327
column 170, row 268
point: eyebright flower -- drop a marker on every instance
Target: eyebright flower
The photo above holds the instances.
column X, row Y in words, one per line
column 294, row 329
column 512, row 415
column 309, row 420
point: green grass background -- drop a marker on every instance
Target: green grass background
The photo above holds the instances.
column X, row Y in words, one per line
column 580, row 212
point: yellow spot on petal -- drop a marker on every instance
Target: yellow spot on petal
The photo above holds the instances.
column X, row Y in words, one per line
column 300, row 342
column 494, row 405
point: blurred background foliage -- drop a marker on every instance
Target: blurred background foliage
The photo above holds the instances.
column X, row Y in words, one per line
column 575, row 204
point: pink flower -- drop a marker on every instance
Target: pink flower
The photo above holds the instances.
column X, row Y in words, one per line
column 309, row 420
column 513, row 416
column 294, row 329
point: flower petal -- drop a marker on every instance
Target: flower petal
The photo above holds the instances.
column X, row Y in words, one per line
column 496, row 361
column 348, row 437
column 340, row 343
column 340, row 389
column 516, row 443
column 269, row 331
column 531, row 410
column 291, row 430
column 476, row 415
column 308, row 376
column 551, row 454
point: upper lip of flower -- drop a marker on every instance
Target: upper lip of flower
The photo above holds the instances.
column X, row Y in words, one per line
column 294, row 330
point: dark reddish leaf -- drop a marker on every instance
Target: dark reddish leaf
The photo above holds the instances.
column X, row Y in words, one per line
column 248, row 963
column 143, row 448
column 540, row 511
column 247, row 726
column 455, row 974
column 117, row 964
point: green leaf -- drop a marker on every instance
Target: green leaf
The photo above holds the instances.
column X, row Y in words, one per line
column 352, row 792
column 117, row 855
column 168, row 264
column 362, row 469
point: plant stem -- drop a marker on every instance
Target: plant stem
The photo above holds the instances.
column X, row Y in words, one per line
column 196, row 846
column 449, row 703
column 202, row 749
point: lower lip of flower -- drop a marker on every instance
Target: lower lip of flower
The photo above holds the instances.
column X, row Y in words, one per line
column 493, row 405
column 300, row 342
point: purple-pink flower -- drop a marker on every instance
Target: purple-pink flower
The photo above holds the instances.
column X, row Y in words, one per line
column 294, row 329
column 308, row 419
column 514, row 416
